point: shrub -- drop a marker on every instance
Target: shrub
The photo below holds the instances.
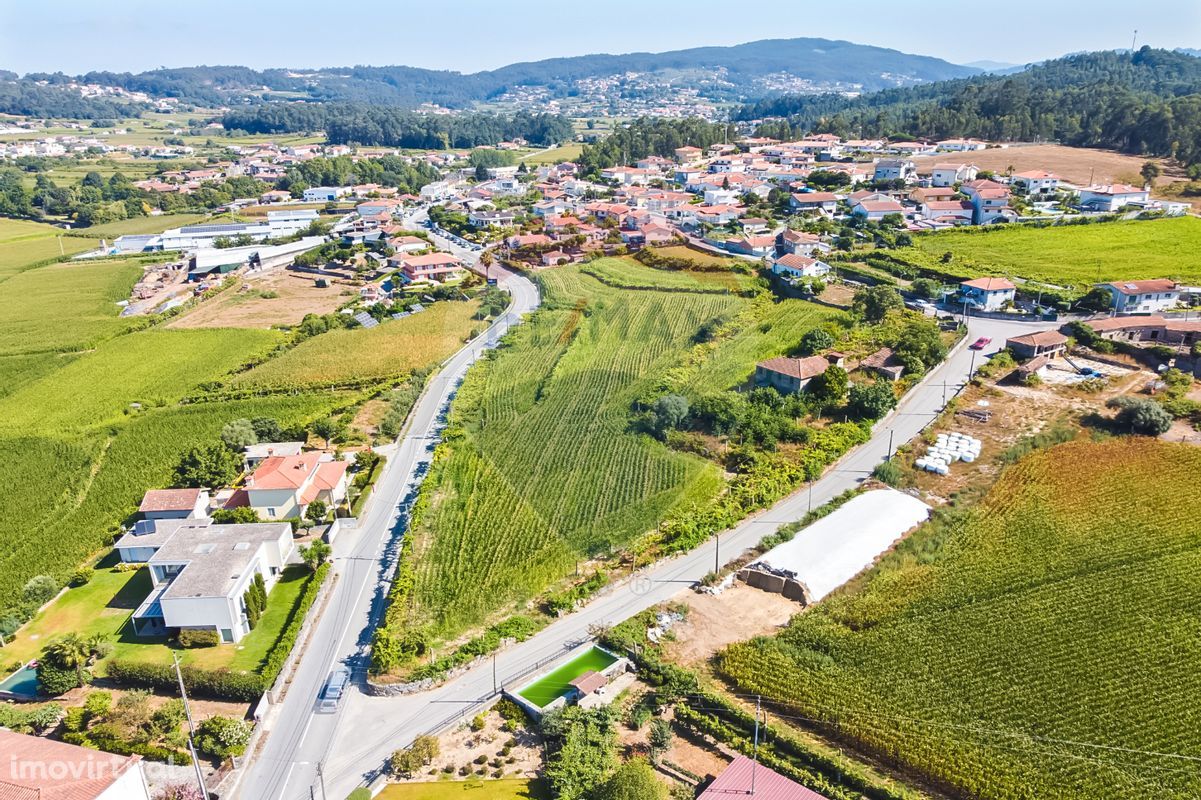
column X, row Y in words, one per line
column 54, row 681
column 477, row 722
column 223, row 737
column 198, row 637
column 98, row 704
column 1141, row 415
column 46, row 717
column 39, row 589
column 184, row 791
column 218, row 684
column 888, row 472
column 82, row 577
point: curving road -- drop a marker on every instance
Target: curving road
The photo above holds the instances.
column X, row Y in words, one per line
column 297, row 737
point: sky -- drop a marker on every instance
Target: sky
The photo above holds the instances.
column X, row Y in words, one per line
column 75, row 36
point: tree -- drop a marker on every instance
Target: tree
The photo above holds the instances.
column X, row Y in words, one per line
column 315, row 512
column 481, row 173
column 1097, row 299
column 242, row 515
column 926, row 288
column 267, row 429
column 325, row 428
column 633, row 780
column 920, row 346
column 239, row 434
column 1149, row 172
column 209, row 466
column 670, row 412
column 1141, row 415
column 315, row 554
column 872, row 303
column 70, row 652
column 581, row 744
column 830, row 387
column 718, row 413
column 659, row 737
column 871, row 401
column 39, row 589
column 815, row 341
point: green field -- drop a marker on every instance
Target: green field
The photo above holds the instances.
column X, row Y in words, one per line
column 392, row 349
column 626, row 273
column 564, row 152
column 24, row 244
column 500, row 789
column 135, row 225
column 1043, row 644
column 557, row 683
column 1069, row 255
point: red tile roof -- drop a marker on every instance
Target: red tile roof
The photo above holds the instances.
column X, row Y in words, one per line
column 802, row 368
column 736, row 780
column 795, row 261
column 1040, row 339
column 42, row 769
column 169, row 500
column 1144, row 287
column 284, row 472
column 989, row 284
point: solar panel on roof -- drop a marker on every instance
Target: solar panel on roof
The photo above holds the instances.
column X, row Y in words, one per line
column 365, row 319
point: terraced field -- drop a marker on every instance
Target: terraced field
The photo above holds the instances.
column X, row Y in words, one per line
column 1043, row 646
column 24, row 244
column 626, row 273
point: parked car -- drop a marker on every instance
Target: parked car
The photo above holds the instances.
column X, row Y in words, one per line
column 334, row 688
column 980, row 343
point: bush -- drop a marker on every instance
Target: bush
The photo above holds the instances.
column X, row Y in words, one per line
column 217, row 684
column 888, row 472
column 223, row 737
column 198, row 637
column 39, row 589
column 1141, row 415
column 82, row 577
column 55, row 681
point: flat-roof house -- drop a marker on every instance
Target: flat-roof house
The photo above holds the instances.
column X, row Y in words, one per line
column 822, row 202
column 37, row 768
column 1142, row 297
column 325, row 194
column 430, row 267
column 492, row 219
column 284, row 486
column 174, row 504
column 200, row 573
column 743, row 775
column 1040, row 343
column 895, row 169
column 987, row 294
column 796, row 265
column 256, row 454
column 1036, row 181
column 1111, row 197
column 789, row 375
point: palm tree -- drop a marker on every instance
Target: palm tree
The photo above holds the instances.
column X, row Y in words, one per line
column 70, row 652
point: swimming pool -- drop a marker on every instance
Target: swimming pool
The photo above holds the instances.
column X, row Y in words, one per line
column 22, row 684
column 556, row 684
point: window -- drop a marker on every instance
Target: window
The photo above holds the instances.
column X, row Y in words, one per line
column 271, row 512
column 227, row 635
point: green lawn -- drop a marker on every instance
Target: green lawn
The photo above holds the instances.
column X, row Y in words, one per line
column 1042, row 644
column 565, row 152
column 1069, row 255
column 502, row 789
column 557, row 683
column 135, row 225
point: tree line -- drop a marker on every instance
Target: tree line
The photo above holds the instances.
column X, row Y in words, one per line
column 1147, row 102
column 360, row 123
column 649, row 136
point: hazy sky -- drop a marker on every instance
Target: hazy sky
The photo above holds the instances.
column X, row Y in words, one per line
column 78, row 35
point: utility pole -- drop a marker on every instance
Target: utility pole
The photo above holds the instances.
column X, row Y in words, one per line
column 810, row 494
column 717, row 553
column 890, row 432
column 755, row 757
column 183, row 693
column 494, row 684
column 321, row 777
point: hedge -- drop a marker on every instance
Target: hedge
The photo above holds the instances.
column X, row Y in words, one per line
column 110, row 744
column 224, row 684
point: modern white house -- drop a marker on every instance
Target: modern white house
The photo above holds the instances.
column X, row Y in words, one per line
column 37, row 768
column 1036, row 181
column 1143, row 297
column 987, row 294
column 895, row 169
column 795, row 265
column 1111, row 197
column 201, row 571
column 950, row 174
column 284, row 486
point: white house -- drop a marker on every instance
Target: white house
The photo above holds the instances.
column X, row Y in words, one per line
column 1143, row 297
column 174, row 504
column 325, row 194
column 990, row 201
column 1036, row 181
column 1111, row 197
column 438, row 190
column 802, row 243
column 951, row 174
column 798, row 266
column 955, row 212
column 895, row 169
column 37, row 768
column 823, row 202
column 987, row 294
column 200, row 573
column 284, row 486
column 961, row 145
column 876, row 210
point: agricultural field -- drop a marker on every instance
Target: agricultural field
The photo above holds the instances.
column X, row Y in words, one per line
column 699, row 256
column 390, row 350
column 25, row 244
column 1081, row 166
column 626, row 273
column 136, row 225
column 564, row 152
column 1070, row 255
column 1036, row 645
column 543, row 468
column 279, row 298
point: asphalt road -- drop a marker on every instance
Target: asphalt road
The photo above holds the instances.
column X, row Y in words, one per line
column 298, row 737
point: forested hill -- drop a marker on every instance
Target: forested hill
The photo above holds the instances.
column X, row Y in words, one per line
column 735, row 73
column 1148, row 102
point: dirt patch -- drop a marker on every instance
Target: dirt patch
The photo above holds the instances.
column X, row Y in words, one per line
column 280, row 297
column 512, row 754
column 1077, row 165
column 837, row 294
column 693, row 754
column 716, row 621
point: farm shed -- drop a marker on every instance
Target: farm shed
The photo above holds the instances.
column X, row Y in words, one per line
column 837, row 547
